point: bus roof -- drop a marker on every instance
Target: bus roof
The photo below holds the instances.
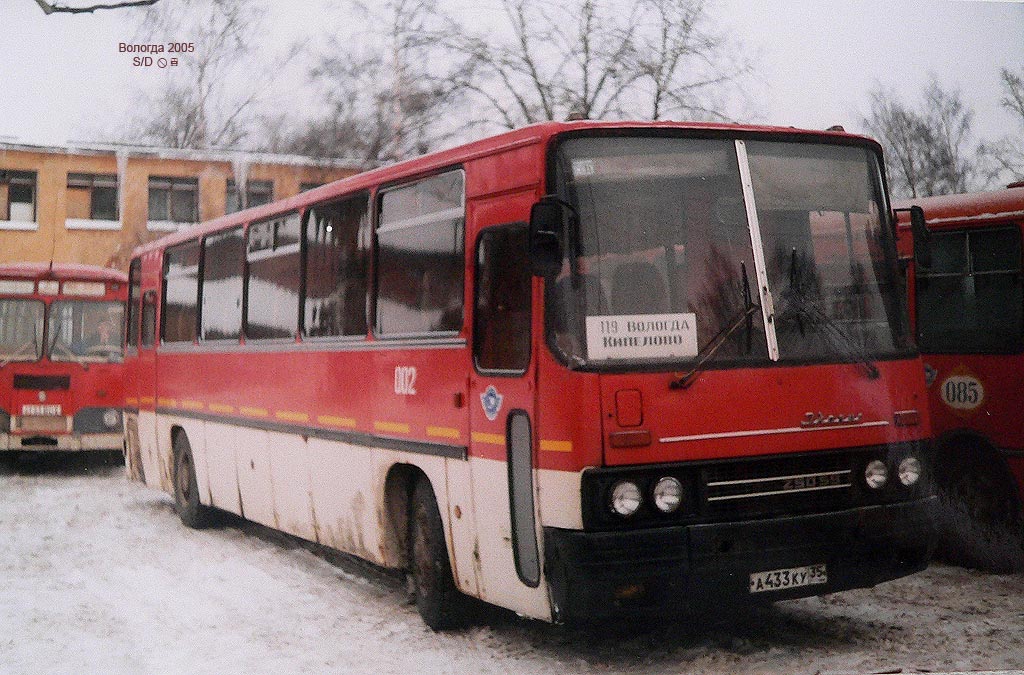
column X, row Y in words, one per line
column 972, row 207
column 36, row 271
column 525, row 136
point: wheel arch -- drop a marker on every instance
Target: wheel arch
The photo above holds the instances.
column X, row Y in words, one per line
column 399, row 483
column 984, row 450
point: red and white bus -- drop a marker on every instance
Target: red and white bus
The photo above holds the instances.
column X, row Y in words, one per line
column 574, row 370
column 968, row 306
column 61, row 369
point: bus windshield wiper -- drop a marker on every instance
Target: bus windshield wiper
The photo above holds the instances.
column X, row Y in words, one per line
column 67, row 352
column 803, row 307
column 713, row 345
column 20, row 351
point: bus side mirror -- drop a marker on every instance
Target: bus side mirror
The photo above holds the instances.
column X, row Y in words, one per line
column 922, row 238
column 547, row 223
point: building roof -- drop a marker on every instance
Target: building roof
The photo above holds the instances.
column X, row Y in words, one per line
column 89, row 148
column 36, row 271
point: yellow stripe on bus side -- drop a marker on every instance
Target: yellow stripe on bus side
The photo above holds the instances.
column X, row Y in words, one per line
column 289, row 416
column 131, row 400
column 392, row 427
column 443, row 432
column 168, row 402
column 221, row 408
column 556, row 446
column 490, row 439
column 146, row 400
column 253, row 412
column 192, row 405
column 331, row 420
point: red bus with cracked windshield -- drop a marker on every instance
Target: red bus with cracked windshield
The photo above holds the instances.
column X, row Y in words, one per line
column 968, row 306
column 574, row 370
column 61, row 369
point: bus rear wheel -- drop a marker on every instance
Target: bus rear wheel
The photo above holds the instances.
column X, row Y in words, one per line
column 186, row 489
column 980, row 521
column 439, row 602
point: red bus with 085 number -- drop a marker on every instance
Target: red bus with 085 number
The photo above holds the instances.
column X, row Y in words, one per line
column 968, row 308
column 61, row 370
column 575, row 370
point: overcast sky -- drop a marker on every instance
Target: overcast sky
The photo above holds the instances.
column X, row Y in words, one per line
column 62, row 77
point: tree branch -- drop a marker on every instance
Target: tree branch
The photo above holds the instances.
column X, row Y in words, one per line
column 52, row 8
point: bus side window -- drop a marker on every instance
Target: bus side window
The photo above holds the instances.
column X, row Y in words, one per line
column 337, row 260
column 420, row 259
column 134, row 291
column 273, row 278
column 221, row 290
column 149, row 319
column 180, row 318
column 501, row 317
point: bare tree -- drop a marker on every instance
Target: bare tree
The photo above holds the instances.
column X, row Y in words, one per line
column 929, row 149
column 1006, row 155
column 209, row 99
column 55, row 8
column 686, row 65
column 651, row 59
column 389, row 98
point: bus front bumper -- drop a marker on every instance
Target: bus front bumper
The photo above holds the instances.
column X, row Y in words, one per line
column 663, row 571
column 60, row 442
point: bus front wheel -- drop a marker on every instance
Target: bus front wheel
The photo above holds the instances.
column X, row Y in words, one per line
column 439, row 602
column 186, row 490
column 980, row 520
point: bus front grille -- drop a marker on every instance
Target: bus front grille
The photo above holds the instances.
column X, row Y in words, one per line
column 798, row 484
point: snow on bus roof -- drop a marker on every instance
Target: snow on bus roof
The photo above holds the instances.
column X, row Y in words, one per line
column 971, row 207
column 424, row 165
column 45, row 270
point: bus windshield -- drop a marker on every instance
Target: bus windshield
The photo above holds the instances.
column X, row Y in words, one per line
column 85, row 331
column 21, row 330
column 663, row 265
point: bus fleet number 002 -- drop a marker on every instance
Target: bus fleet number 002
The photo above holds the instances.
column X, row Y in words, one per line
column 405, row 380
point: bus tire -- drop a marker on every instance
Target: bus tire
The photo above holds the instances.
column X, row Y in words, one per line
column 186, row 490
column 439, row 602
column 980, row 524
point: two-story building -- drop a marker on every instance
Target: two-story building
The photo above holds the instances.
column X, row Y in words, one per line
column 93, row 203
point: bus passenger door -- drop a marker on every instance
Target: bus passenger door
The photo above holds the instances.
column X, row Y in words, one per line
column 502, row 416
column 144, row 378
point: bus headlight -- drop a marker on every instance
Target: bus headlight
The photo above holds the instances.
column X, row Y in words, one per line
column 668, row 494
column 909, row 470
column 625, row 498
column 111, row 418
column 876, row 474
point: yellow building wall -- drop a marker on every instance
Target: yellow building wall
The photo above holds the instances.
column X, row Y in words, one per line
column 53, row 241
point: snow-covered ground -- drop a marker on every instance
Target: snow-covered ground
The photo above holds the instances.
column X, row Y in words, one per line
column 99, row 576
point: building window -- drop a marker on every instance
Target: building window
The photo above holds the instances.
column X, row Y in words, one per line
column 420, row 257
column 18, row 196
column 272, row 298
column 92, row 202
column 257, row 193
column 173, row 201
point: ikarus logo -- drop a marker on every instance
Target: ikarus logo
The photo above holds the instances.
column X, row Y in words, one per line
column 491, row 402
